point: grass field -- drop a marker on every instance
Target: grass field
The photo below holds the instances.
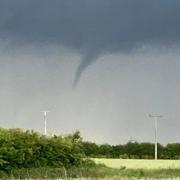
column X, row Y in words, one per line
column 139, row 164
column 115, row 169
column 143, row 169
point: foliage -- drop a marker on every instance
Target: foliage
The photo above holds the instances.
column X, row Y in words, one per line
column 27, row 154
column 27, row 149
column 131, row 150
column 19, row 149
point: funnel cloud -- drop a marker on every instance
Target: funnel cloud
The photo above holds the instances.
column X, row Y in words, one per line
column 91, row 27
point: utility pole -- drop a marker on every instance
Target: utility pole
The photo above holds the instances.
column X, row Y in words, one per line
column 155, row 116
column 45, row 121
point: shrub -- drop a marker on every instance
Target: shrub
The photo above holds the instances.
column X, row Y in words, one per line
column 19, row 149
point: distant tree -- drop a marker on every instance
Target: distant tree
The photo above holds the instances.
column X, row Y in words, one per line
column 105, row 150
column 172, row 151
column 90, row 149
column 147, row 150
column 117, row 151
column 133, row 149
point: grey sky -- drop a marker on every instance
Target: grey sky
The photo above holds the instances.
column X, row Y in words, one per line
column 45, row 46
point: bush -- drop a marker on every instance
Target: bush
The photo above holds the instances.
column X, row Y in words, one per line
column 19, row 149
column 124, row 156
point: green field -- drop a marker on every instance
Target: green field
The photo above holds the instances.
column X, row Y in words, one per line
column 139, row 164
column 143, row 169
column 115, row 169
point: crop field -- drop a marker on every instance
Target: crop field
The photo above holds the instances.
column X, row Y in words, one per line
column 139, row 164
column 143, row 169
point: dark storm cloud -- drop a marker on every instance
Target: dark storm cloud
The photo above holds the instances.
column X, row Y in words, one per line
column 91, row 27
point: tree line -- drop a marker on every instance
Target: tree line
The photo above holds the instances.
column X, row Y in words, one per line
column 131, row 150
column 28, row 149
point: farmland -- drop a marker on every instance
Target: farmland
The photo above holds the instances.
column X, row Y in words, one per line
column 142, row 169
column 139, row 163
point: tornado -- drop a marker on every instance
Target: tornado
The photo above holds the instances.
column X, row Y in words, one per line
column 91, row 27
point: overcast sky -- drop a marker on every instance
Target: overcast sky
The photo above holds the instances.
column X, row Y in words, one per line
column 99, row 66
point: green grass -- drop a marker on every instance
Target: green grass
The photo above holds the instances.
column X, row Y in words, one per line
column 115, row 169
column 140, row 164
column 91, row 172
column 97, row 172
